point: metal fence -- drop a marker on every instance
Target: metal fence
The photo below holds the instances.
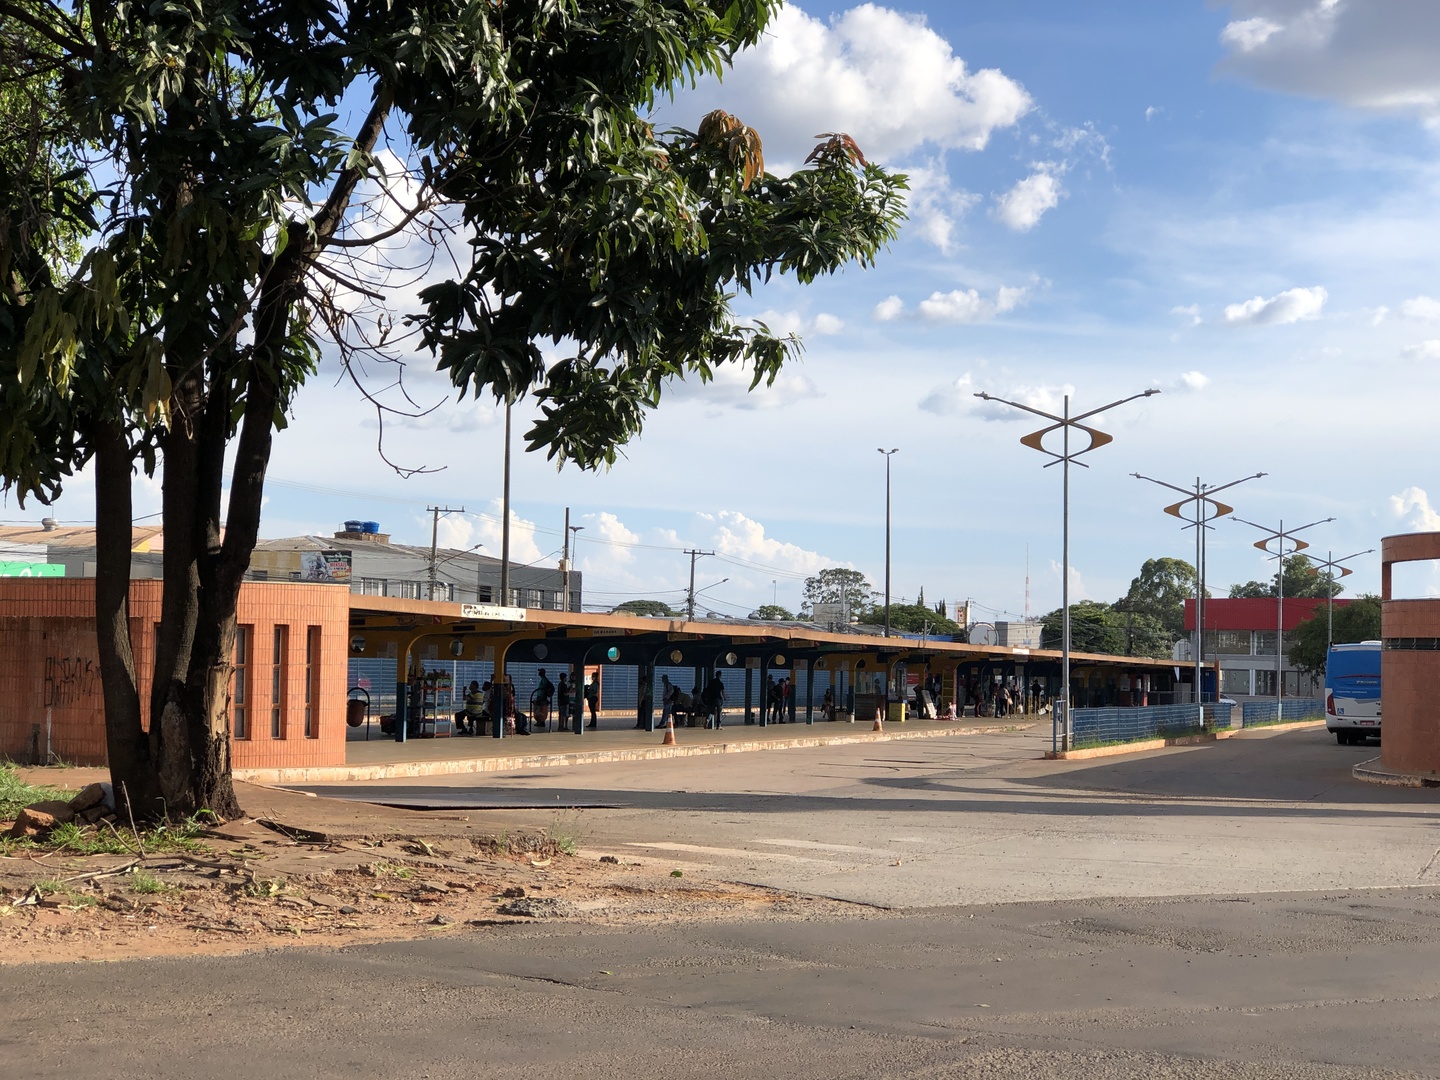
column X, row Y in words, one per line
column 1289, row 711
column 1098, row 727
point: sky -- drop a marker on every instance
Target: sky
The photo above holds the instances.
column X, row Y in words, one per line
column 1233, row 203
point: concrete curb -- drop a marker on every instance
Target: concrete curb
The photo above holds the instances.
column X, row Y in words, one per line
column 1178, row 740
column 346, row 774
column 1372, row 772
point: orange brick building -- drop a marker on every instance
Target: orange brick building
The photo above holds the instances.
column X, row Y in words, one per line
column 1410, row 663
column 288, row 700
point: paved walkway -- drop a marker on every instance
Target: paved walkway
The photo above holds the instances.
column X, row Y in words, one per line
column 382, row 758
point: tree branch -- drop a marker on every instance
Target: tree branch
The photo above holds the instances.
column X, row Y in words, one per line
column 73, row 45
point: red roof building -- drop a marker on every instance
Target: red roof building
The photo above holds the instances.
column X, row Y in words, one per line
column 1240, row 637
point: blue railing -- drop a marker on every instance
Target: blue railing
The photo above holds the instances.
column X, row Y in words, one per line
column 1116, row 725
column 1257, row 713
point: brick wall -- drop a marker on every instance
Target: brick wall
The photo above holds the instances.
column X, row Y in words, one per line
column 1409, row 678
column 50, row 695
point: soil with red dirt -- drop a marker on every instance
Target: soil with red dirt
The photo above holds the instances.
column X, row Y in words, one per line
column 302, row 871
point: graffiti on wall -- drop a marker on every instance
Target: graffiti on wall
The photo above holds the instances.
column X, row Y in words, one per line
column 69, row 680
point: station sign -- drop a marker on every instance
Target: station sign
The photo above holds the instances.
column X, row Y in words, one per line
column 493, row 612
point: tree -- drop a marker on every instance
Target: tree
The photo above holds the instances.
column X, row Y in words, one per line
column 1093, row 629
column 1159, row 593
column 227, row 256
column 912, row 619
column 1308, row 644
column 656, row 608
column 770, row 612
column 836, row 585
column 1301, row 580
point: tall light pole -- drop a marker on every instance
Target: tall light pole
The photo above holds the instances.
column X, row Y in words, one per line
column 1329, row 566
column 888, row 455
column 505, row 520
column 1280, row 536
column 1035, row 440
column 436, row 511
column 1206, row 509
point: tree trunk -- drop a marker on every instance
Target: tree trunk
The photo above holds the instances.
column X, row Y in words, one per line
column 131, row 767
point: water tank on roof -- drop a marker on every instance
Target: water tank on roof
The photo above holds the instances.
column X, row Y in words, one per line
column 371, row 527
column 354, row 526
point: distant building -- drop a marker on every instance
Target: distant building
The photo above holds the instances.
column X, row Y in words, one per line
column 371, row 565
column 1240, row 635
column 1018, row 635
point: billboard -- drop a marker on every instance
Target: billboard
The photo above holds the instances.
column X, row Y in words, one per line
column 31, row 569
column 329, row 567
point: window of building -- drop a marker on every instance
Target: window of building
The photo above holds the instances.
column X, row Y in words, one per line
column 533, row 598
column 312, row 682
column 485, row 595
column 278, row 681
column 1264, row 642
column 409, row 590
column 574, row 600
column 240, row 683
column 1229, row 642
column 1235, row 681
column 1265, row 682
column 370, row 586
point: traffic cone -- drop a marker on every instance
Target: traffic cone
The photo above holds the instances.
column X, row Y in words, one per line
column 878, row 726
column 669, row 739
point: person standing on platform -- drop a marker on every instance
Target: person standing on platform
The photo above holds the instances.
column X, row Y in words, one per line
column 592, row 699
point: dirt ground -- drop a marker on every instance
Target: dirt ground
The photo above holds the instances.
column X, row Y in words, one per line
column 301, row 870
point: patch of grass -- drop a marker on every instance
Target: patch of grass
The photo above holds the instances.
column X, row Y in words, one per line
column 16, row 794
column 566, row 833
column 62, row 889
column 263, row 888
column 148, row 884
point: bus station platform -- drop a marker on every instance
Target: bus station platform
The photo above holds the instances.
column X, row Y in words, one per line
column 383, row 758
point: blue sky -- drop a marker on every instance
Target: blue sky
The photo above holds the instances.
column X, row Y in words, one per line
column 1234, row 203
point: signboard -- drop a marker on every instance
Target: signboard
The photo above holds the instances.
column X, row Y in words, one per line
column 492, row 611
column 329, row 567
column 31, row 569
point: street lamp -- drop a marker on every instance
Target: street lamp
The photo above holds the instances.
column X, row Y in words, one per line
column 1329, row 566
column 1281, row 535
column 1206, row 509
column 1035, row 440
column 888, row 455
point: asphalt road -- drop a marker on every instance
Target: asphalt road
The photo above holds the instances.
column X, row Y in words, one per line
column 1338, row 980
column 978, row 819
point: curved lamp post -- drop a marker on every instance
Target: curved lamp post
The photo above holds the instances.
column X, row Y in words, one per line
column 1035, row 440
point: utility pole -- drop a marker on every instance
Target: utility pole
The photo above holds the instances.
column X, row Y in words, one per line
column 565, row 559
column 690, row 596
column 435, row 512
column 505, row 520
column 1329, row 566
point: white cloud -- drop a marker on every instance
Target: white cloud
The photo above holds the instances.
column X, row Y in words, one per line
column 1022, row 207
column 957, row 306
column 1413, row 507
column 1421, row 307
column 1192, row 380
column 935, row 206
column 1426, row 350
column 743, row 537
column 1077, row 583
column 958, row 398
column 1379, row 315
column 882, row 75
column 1153, row 111
column 1290, row 306
column 1375, row 54
column 1247, row 35
column 731, row 388
column 889, row 309
column 793, row 322
column 1190, row 312
column 464, row 531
